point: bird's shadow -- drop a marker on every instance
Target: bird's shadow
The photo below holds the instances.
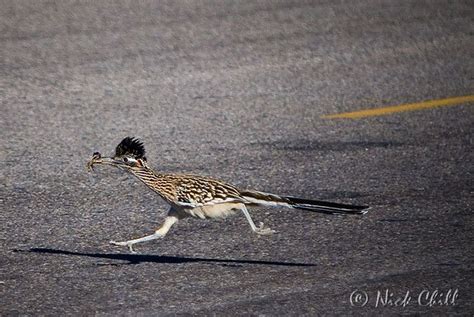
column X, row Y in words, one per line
column 150, row 258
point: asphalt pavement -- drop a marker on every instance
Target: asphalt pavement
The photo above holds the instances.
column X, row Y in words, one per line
column 237, row 90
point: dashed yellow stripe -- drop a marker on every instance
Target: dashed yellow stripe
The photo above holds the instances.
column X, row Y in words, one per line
column 402, row 108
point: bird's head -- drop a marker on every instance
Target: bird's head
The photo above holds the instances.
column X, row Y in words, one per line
column 129, row 155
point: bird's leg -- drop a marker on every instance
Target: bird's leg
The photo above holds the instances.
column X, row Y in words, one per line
column 130, row 243
column 258, row 230
column 159, row 233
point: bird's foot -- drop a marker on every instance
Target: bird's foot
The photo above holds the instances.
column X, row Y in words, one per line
column 128, row 244
column 261, row 230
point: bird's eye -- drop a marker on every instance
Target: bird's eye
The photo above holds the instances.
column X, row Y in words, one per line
column 125, row 159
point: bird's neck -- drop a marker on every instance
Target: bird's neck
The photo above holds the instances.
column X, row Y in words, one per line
column 156, row 182
column 142, row 173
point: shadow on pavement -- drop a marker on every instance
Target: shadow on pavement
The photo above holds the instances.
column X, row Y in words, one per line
column 143, row 258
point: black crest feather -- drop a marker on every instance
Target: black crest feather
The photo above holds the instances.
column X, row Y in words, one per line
column 130, row 146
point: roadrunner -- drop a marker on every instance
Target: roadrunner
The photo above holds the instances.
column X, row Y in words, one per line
column 203, row 197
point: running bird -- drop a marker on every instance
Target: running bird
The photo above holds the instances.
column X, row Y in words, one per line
column 203, row 197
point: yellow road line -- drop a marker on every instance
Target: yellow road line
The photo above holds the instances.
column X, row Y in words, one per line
column 401, row 108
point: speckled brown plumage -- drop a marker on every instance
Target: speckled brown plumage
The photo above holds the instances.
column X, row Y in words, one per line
column 188, row 190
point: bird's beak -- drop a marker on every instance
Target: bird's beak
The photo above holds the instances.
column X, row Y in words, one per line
column 98, row 159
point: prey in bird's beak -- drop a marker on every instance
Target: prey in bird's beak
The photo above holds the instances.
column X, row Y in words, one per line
column 98, row 159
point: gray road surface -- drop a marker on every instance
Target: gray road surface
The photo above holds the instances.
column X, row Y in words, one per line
column 236, row 90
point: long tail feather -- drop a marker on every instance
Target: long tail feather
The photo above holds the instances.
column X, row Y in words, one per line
column 265, row 199
column 326, row 207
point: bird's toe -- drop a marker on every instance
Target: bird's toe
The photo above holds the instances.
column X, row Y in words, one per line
column 122, row 244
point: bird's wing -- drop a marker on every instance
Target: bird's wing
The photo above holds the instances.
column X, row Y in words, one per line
column 197, row 191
